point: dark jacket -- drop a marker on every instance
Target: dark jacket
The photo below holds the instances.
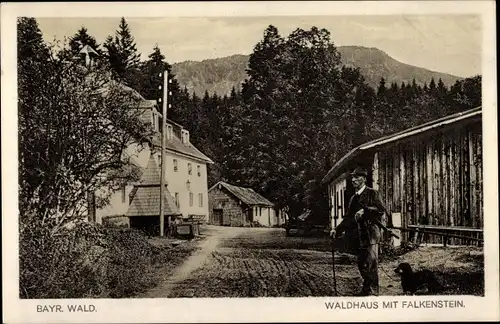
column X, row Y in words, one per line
column 366, row 231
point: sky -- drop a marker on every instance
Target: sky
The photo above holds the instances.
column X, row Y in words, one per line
column 447, row 43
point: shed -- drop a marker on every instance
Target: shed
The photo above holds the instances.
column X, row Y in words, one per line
column 231, row 205
column 429, row 177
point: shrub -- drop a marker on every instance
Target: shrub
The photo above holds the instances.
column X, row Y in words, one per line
column 85, row 261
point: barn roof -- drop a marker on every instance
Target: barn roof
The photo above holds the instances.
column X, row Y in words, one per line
column 401, row 136
column 146, row 194
column 246, row 195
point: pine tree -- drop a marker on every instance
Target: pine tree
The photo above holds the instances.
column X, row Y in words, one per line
column 151, row 83
column 432, row 87
column 442, row 89
column 122, row 53
column 80, row 39
column 30, row 45
column 381, row 88
column 33, row 68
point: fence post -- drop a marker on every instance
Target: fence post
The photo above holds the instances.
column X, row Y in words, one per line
column 415, row 236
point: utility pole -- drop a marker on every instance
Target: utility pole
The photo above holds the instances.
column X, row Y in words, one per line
column 163, row 152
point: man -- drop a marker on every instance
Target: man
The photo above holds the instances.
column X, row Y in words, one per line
column 365, row 208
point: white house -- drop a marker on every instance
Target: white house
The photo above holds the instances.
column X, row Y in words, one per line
column 186, row 170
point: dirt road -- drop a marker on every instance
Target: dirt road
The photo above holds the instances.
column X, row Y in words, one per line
column 263, row 262
column 251, row 262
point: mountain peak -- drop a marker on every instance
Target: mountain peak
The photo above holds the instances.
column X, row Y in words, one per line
column 220, row 75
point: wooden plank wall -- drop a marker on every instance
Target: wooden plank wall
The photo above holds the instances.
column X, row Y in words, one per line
column 435, row 180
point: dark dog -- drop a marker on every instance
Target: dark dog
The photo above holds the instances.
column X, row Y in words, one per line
column 411, row 281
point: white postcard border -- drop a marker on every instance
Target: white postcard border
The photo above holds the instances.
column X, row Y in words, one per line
column 242, row 309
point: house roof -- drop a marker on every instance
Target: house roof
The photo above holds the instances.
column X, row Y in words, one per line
column 401, row 136
column 175, row 144
column 146, row 194
column 151, row 174
column 246, row 195
column 146, row 202
column 146, row 116
column 88, row 50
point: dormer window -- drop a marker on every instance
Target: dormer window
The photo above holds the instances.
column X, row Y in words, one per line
column 184, row 136
column 169, row 131
column 156, row 123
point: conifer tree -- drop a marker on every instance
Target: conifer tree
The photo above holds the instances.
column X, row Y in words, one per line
column 381, row 88
column 122, row 53
column 82, row 38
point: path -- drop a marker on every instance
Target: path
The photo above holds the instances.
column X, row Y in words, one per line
column 207, row 246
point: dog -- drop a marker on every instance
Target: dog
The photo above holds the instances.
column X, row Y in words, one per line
column 411, row 281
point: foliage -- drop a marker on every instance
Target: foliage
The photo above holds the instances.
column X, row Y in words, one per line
column 88, row 261
column 122, row 54
column 74, row 125
column 297, row 102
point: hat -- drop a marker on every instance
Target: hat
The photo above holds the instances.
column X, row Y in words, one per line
column 359, row 171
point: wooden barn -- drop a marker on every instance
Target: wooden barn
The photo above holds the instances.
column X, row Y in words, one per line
column 429, row 177
column 230, row 205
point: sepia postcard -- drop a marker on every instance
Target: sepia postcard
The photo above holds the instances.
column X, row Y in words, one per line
column 330, row 161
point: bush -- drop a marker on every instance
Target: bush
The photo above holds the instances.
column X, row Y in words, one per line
column 85, row 261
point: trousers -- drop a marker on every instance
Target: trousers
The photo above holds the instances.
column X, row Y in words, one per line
column 368, row 268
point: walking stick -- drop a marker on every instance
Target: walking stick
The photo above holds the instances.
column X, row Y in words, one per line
column 333, row 268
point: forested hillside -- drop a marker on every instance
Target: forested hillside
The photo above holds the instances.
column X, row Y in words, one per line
column 221, row 74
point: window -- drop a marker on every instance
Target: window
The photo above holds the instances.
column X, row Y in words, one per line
column 184, row 136
column 260, row 211
column 159, row 160
column 177, row 203
column 124, row 197
column 169, row 131
column 198, row 169
column 190, row 168
column 200, row 200
column 175, row 165
column 191, row 198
